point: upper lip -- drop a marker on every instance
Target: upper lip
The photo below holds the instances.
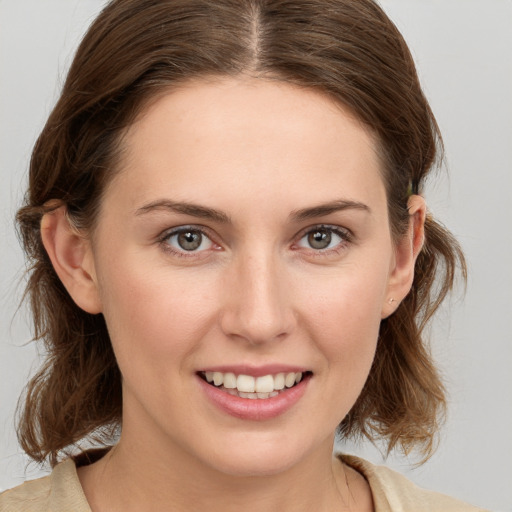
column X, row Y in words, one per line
column 255, row 371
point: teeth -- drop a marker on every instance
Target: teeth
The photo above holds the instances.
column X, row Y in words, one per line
column 289, row 380
column 246, row 386
column 265, row 384
column 218, row 378
column 229, row 381
column 279, row 381
column 245, row 383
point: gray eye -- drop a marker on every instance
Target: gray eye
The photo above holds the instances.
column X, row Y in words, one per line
column 323, row 237
column 189, row 240
column 320, row 239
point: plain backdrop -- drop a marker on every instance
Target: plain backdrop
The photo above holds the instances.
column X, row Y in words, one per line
column 463, row 49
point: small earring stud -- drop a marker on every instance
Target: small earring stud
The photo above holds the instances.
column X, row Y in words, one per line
column 391, row 300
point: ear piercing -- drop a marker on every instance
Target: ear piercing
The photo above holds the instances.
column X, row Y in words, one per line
column 390, row 301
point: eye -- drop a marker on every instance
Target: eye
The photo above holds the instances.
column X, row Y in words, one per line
column 187, row 240
column 323, row 238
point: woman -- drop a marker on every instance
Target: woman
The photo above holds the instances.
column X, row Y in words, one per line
column 233, row 262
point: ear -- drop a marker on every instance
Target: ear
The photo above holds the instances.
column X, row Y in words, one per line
column 71, row 256
column 406, row 252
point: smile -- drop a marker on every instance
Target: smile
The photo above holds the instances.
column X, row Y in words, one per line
column 247, row 386
column 254, row 393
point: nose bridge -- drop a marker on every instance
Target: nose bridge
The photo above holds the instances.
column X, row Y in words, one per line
column 258, row 306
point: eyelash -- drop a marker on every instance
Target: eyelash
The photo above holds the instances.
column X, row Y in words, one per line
column 163, row 240
column 344, row 234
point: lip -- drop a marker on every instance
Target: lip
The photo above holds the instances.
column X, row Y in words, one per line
column 255, row 371
column 257, row 409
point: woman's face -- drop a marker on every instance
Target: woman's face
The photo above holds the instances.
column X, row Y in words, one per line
column 246, row 233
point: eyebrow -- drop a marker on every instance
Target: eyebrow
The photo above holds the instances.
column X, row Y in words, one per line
column 328, row 208
column 204, row 212
column 193, row 210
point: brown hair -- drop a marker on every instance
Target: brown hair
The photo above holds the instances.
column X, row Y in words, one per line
column 136, row 49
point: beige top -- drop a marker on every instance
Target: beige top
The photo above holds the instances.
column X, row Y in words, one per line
column 392, row 492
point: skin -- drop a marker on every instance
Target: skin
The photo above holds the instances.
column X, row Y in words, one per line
column 256, row 292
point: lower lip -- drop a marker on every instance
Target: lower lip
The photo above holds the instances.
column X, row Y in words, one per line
column 257, row 409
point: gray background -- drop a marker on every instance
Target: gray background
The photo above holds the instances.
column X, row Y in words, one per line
column 463, row 49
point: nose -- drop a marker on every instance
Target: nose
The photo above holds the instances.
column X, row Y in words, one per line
column 258, row 303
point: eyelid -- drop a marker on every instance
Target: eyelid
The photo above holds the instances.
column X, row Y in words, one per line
column 168, row 233
column 344, row 233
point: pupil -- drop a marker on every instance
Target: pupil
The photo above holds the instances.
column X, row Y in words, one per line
column 319, row 239
column 189, row 240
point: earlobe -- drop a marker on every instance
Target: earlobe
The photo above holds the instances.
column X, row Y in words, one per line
column 406, row 252
column 71, row 256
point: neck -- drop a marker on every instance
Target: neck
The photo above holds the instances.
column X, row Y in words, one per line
column 133, row 476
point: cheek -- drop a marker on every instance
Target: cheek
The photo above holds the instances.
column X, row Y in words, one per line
column 347, row 337
column 347, row 303
column 343, row 317
column 152, row 314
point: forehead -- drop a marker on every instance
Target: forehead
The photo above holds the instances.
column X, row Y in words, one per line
column 262, row 136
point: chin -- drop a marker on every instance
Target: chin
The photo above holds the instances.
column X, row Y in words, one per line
column 250, row 457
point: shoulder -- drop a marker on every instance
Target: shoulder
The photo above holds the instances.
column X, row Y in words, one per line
column 394, row 492
column 31, row 496
column 59, row 491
